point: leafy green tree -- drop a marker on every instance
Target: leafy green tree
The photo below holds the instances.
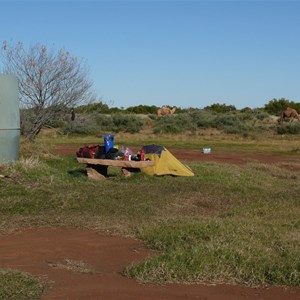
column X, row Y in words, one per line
column 246, row 109
column 93, row 107
column 142, row 109
column 275, row 106
column 220, row 108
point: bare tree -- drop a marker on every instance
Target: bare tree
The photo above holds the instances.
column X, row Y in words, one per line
column 49, row 81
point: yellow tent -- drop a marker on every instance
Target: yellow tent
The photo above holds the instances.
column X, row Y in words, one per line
column 165, row 162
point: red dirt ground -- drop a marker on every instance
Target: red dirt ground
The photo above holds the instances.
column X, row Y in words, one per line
column 37, row 250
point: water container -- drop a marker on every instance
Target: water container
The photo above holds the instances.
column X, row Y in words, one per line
column 206, row 150
column 9, row 119
column 108, row 142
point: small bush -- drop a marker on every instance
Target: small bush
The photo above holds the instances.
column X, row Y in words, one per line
column 26, row 120
column 237, row 129
column 127, row 123
column 93, row 123
column 83, row 124
column 221, row 108
column 175, row 124
column 289, row 129
column 142, row 109
column 260, row 115
column 203, row 119
column 227, row 120
column 232, row 124
column 105, row 122
column 246, row 116
column 58, row 124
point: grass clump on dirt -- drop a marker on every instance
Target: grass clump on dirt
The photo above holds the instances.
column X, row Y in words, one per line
column 20, row 285
column 215, row 251
column 226, row 224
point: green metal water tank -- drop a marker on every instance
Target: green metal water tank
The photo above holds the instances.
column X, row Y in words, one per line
column 9, row 119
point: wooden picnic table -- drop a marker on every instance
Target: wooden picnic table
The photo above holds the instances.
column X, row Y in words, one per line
column 97, row 168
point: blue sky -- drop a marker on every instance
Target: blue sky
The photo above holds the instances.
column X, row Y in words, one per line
column 183, row 53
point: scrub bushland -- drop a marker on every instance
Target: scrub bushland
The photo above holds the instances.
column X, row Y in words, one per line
column 243, row 123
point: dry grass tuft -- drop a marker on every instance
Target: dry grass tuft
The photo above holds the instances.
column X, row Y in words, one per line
column 73, row 265
column 29, row 163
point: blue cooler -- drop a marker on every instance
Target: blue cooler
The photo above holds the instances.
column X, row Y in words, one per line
column 108, row 142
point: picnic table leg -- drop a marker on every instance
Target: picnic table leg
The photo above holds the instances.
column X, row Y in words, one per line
column 127, row 172
column 97, row 172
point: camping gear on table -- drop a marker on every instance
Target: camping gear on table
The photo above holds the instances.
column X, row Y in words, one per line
column 108, row 142
column 100, row 152
column 165, row 162
column 142, row 154
column 95, row 151
column 114, row 153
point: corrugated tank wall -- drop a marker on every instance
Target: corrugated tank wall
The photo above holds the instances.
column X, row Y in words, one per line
column 9, row 119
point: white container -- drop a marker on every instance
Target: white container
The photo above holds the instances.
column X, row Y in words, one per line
column 206, row 150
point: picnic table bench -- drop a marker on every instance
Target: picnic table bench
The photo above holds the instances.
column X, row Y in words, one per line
column 97, row 168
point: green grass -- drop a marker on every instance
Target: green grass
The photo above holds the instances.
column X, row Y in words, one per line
column 232, row 224
column 231, row 251
column 19, row 285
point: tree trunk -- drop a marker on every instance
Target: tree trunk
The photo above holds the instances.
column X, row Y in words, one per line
column 34, row 132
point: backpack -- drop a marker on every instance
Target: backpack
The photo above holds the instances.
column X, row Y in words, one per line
column 113, row 153
column 95, row 151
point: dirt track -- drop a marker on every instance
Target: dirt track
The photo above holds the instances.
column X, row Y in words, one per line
column 38, row 251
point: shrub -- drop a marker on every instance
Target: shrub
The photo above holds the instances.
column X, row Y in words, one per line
column 275, row 106
column 237, row 129
column 227, row 120
column 92, row 123
column 58, row 124
column 203, row 119
column 127, row 123
column 175, row 124
column 246, row 116
column 92, row 107
column 26, row 120
column 289, row 128
column 260, row 115
column 232, row 124
column 221, row 108
column 105, row 122
column 83, row 124
column 142, row 109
